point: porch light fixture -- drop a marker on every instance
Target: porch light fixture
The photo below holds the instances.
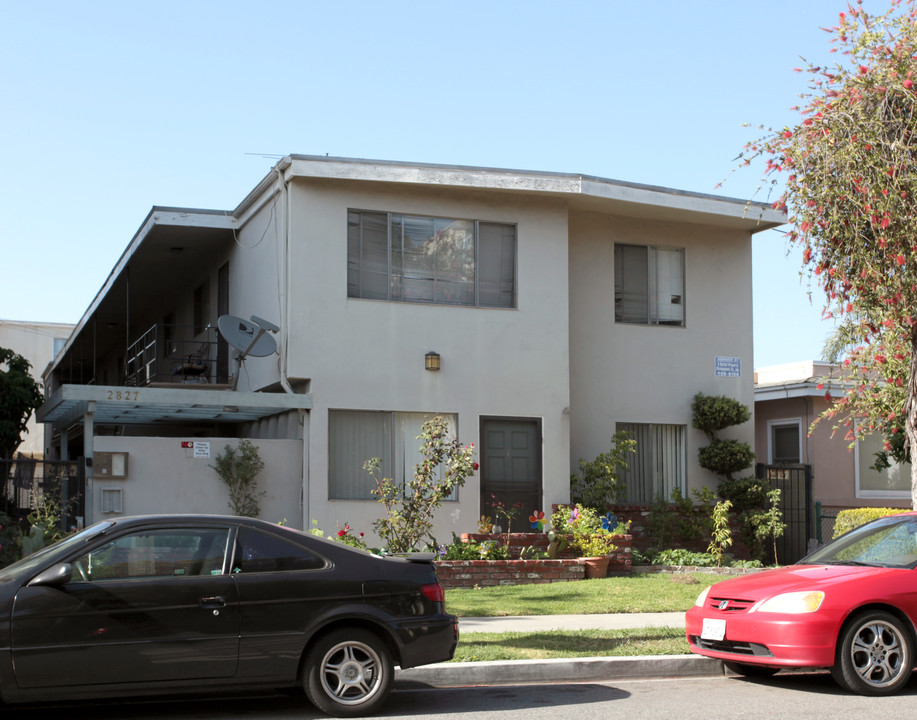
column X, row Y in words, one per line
column 431, row 361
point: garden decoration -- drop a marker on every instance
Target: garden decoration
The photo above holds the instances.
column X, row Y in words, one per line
column 537, row 520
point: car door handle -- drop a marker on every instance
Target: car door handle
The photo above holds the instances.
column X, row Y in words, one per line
column 214, row 602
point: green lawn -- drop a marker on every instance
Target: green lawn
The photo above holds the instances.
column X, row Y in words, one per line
column 632, row 594
column 476, row 647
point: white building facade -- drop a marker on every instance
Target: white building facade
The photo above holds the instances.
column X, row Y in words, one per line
column 561, row 308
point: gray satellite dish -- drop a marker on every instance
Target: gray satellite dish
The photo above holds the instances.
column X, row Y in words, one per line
column 249, row 338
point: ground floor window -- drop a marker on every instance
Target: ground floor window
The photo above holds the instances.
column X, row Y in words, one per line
column 658, row 465
column 893, row 482
column 784, row 441
column 355, row 436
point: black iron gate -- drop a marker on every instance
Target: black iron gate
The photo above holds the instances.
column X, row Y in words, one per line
column 795, row 485
column 25, row 482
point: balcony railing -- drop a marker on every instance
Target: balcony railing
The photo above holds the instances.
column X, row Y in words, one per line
column 173, row 354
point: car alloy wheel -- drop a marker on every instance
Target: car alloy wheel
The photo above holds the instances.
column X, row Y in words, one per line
column 348, row 673
column 874, row 655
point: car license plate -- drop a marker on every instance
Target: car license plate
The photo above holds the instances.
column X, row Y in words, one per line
column 713, row 629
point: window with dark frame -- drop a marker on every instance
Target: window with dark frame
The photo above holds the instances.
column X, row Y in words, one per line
column 649, row 285
column 411, row 258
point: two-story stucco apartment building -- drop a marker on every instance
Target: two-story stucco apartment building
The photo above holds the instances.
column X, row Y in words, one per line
column 557, row 307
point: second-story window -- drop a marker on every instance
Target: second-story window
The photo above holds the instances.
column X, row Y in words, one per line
column 649, row 285
column 409, row 258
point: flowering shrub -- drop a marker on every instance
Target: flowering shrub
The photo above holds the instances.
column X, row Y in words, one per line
column 344, row 536
column 409, row 510
column 592, row 534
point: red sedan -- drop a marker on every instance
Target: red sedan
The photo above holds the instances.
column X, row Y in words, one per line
column 850, row 606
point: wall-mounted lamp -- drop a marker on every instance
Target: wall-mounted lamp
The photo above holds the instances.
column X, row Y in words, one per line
column 431, row 361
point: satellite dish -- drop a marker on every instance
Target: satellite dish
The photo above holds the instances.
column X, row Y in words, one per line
column 249, row 338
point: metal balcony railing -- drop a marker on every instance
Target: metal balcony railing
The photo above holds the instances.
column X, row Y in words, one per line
column 172, row 354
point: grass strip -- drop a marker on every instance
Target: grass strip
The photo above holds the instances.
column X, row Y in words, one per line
column 636, row 593
column 478, row 647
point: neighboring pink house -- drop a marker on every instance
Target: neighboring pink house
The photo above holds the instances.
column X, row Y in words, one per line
column 787, row 402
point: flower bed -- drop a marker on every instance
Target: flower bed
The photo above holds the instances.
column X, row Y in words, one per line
column 567, row 566
column 483, row 573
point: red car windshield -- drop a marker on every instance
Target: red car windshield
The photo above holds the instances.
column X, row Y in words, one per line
column 888, row 542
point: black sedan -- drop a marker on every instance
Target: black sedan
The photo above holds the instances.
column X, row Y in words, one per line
column 187, row 603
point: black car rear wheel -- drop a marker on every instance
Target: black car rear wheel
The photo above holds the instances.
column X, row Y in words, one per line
column 348, row 673
column 874, row 655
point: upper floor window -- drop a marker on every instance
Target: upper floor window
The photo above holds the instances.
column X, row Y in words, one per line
column 409, row 258
column 649, row 285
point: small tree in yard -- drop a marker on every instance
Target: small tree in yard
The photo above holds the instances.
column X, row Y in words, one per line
column 721, row 536
column 599, row 481
column 20, row 394
column 769, row 525
column 851, row 194
column 409, row 509
column 239, row 470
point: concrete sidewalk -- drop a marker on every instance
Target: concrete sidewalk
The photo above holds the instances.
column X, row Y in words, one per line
column 506, row 672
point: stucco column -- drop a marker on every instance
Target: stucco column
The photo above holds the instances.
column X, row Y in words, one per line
column 87, row 454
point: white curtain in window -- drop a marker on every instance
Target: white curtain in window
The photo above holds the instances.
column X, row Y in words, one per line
column 353, row 438
column 658, row 466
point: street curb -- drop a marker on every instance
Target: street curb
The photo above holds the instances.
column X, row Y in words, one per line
column 504, row 672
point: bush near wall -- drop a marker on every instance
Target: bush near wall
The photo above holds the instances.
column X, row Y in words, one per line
column 847, row 520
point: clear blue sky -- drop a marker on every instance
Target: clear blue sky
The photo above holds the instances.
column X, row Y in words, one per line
column 112, row 107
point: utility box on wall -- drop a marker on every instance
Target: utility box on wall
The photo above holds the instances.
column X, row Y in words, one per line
column 109, row 465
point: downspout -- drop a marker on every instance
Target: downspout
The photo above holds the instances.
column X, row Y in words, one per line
column 285, row 292
column 286, row 215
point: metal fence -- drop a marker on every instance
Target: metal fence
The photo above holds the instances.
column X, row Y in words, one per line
column 795, row 485
column 824, row 524
column 28, row 484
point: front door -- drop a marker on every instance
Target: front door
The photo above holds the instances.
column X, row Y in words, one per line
column 511, row 469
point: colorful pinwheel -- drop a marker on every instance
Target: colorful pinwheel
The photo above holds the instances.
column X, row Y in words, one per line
column 537, row 520
column 609, row 522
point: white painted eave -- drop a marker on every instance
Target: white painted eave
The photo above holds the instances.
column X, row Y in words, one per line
column 614, row 196
column 162, row 216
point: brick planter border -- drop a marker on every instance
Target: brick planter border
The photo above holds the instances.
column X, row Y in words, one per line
column 484, row 573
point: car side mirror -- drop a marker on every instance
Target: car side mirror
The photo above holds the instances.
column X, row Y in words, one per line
column 53, row 576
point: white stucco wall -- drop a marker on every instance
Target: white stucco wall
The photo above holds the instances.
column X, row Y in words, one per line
column 647, row 374
column 35, row 342
column 369, row 355
column 164, row 477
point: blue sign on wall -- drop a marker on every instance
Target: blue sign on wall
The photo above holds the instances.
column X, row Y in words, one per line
column 728, row 366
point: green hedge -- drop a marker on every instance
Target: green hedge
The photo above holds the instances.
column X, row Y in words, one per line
column 847, row 520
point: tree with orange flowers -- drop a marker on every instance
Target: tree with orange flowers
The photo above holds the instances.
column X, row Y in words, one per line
column 848, row 171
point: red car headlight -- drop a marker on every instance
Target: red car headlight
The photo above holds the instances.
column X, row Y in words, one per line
column 794, row 603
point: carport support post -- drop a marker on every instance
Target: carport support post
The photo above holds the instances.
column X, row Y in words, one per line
column 87, row 454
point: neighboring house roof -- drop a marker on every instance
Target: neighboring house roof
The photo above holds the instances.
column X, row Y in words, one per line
column 800, row 379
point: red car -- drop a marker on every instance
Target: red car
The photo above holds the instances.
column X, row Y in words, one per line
column 850, row 606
